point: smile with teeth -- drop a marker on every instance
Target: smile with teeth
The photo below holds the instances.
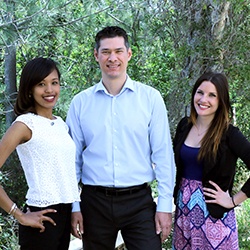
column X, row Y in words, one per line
column 49, row 98
column 113, row 66
column 203, row 106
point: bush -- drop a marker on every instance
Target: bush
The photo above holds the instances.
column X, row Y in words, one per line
column 8, row 233
column 243, row 221
column 13, row 181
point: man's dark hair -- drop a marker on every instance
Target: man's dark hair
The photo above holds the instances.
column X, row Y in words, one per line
column 111, row 32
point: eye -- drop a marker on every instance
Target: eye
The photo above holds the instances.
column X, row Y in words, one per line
column 41, row 84
column 199, row 91
column 105, row 52
column 55, row 82
column 213, row 95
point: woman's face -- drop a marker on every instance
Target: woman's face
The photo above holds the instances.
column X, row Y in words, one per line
column 46, row 93
column 206, row 101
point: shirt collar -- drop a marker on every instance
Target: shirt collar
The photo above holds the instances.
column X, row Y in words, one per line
column 129, row 84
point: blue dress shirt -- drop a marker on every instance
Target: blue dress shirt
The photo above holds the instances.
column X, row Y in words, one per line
column 119, row 137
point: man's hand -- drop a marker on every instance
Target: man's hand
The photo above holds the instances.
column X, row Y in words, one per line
column 77, row 224
column 163, row 223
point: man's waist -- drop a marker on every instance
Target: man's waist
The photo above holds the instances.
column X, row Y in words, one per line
column 119, row 191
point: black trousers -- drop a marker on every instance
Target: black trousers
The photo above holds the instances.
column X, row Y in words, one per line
column 104, row 216
column 54, row 237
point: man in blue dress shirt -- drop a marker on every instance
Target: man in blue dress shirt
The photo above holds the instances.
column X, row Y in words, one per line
column 121, row 131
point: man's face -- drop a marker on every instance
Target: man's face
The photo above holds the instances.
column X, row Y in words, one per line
column 113, row 58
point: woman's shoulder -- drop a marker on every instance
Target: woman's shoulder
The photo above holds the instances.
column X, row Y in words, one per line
column 183, row 123
column 25, row 118
column 28, row 119
column 232, row 129
column 184, row 120
column 235, row 136
column 182, row 126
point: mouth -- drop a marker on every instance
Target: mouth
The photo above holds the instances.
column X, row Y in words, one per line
column 203, row 107
column 50, row 98
column 112, row 66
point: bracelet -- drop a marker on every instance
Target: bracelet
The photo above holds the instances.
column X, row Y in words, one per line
column 233, row 202
column 14, row 211
column 12, row 208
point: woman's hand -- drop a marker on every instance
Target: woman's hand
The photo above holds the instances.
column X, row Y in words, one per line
column 218, row 196
column 35, row 219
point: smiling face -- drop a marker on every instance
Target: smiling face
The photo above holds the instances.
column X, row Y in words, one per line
column 113, row 58
column 46, row 94
column 206, row 101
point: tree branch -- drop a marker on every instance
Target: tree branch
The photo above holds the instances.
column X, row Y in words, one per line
column 119, row 21
column 25, row 18
column 78, row 19
column 5, row 44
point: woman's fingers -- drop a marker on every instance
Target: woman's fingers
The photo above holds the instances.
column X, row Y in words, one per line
column 45, row 218
column 36, row 219
column 215, row 185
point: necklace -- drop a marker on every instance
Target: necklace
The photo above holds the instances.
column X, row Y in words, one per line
column 199, row 134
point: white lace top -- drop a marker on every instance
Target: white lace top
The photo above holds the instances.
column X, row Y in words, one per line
column 48, row 161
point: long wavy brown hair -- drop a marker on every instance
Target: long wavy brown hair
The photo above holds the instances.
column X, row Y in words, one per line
column 223, row 116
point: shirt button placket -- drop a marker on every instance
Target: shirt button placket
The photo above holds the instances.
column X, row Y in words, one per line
column 114, row 129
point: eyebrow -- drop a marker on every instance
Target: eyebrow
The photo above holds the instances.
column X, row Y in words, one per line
column 209, row 92
column 121, row 48
column 56, row 78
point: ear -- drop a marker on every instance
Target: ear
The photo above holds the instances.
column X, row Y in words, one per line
column 129, row 54
column 96, row 55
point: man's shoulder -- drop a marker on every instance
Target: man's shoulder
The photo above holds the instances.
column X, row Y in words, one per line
column 144, row 87
column 85, row 93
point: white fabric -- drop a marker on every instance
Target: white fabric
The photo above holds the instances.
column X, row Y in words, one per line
column 48, row 161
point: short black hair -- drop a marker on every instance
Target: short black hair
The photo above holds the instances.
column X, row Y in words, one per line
column 33, row 72
column 111, row 32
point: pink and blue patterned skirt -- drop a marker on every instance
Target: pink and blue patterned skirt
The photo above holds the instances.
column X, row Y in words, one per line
column 195, row 229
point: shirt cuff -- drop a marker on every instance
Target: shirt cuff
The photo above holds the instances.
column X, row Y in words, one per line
column 76, row 207
column 164, row 205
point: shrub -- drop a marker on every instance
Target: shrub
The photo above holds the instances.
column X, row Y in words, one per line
column 8, row 233
column 243, row 221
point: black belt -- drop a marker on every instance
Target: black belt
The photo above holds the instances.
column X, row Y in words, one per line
column 109, row 191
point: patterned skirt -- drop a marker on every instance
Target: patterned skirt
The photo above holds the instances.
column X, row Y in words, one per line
column 195, row 229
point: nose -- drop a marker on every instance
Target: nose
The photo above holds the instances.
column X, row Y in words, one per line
column 49, row 88
column 203, row 98
column 112, row 57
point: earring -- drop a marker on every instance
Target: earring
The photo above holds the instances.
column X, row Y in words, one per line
column 29, row 95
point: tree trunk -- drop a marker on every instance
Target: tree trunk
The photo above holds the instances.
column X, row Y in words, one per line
column 10, row 82
column 10, row 63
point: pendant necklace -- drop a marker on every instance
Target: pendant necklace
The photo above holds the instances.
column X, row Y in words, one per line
column 199, row 134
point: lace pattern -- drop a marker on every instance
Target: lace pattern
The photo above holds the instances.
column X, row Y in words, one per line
column 48, row 161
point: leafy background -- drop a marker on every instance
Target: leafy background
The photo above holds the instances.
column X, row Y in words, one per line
column 173, row 43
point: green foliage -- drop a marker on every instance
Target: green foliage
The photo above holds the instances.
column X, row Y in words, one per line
column 242, row 174
column 153, row 186
column 8, row 233
column 243, row 222
column 12, row 179
column 167, row 244
column 172, row 44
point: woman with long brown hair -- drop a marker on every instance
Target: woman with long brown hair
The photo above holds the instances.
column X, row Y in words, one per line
column 206, row 147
